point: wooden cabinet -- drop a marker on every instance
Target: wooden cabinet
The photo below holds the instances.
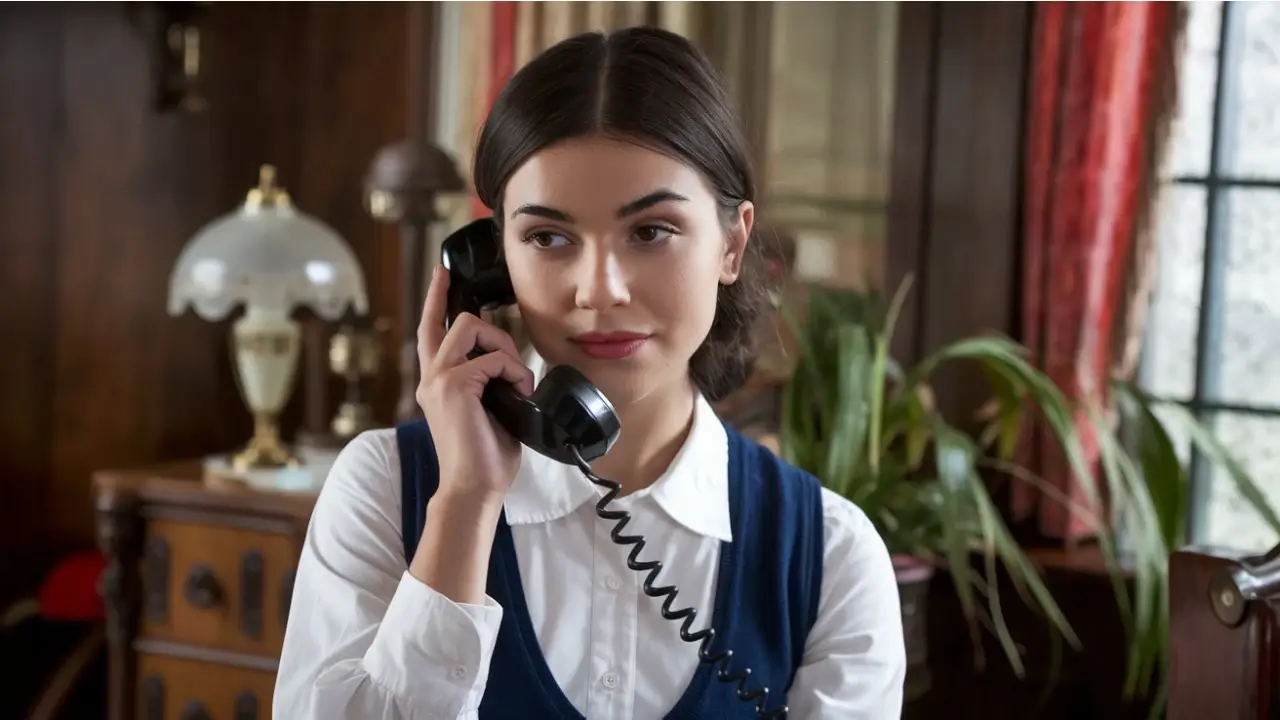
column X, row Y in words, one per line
column 198, row 591
column 1223, row 639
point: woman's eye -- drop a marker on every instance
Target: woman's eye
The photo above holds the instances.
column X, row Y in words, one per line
column 547, row 239
column 652, row 234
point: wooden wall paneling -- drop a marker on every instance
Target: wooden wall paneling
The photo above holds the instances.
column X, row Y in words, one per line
column 910, row 167
column 101, row 193
column 355, row 90
column 125, row 381
column 30, row 64
column 955, row 214
column 974, row 236
column 973, row 244
column 423, row 53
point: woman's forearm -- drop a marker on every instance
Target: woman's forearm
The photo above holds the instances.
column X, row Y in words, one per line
column 453, row 554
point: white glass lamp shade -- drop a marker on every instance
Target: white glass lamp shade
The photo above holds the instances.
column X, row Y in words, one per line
column 270, row 257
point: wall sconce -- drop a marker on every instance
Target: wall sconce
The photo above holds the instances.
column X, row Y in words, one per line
column 176, row 32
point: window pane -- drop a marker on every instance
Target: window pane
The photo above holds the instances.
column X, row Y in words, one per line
column 1251, row 127
column 1229, row 520
column 1248, row 353
column 830, row 133
column 1169, row 352
column 830, row 127
column 1189, row 146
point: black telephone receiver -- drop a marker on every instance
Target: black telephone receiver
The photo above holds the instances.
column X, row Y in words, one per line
column 570, row 421
column 565, row 411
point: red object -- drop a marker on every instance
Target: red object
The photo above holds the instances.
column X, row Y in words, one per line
column 502, row 60
column 1091, row 114
column 70, row 592
column 503, row 57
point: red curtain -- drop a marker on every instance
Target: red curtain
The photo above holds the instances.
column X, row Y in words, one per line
column 1097, row 103
column 502, row 53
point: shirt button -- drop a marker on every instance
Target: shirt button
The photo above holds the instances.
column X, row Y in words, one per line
column 610, row 680
column 613, row 582
column 458, row 672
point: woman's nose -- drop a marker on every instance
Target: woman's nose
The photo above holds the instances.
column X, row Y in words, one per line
column 602, row 282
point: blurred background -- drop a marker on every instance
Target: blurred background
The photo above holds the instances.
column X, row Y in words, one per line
column 1098, row 184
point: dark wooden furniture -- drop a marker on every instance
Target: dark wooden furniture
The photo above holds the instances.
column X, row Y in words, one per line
column 197, row 590
column 1224, row 649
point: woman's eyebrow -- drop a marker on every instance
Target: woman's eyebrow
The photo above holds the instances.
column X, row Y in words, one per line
column 656, row 197
column 543, row 211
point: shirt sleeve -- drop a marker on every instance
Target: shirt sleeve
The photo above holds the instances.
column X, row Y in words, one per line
column 365, row 639
column 855, row 659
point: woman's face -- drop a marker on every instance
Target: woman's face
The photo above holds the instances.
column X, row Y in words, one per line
column 616, row 253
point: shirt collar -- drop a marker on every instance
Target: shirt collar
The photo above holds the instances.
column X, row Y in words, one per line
column 694, row 491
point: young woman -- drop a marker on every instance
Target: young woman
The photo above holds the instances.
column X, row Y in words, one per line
column 620, row 181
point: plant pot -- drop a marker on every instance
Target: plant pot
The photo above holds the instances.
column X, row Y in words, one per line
column 913, row 575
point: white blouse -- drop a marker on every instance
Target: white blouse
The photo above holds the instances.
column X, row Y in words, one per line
column 367, row 640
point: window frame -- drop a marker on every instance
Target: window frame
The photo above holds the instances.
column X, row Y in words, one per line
column 1211, row 313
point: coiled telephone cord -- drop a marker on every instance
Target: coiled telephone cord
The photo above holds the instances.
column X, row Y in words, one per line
column 686, row 616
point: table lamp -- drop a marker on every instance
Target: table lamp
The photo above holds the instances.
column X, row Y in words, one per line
column 271, row 258
column 404, row 185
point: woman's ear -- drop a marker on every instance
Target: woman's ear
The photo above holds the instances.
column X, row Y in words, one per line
column 736, row 246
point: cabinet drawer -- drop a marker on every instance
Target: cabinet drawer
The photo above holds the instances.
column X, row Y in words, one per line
column 179, row 689
column 219, row 587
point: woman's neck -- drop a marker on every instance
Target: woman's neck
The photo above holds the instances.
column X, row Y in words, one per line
column 653, row 431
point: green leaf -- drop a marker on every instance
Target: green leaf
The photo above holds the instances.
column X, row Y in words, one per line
column 1005, row 428
column 850, row 410
column 1161, row 469
column 957, row 471
column 918, row 432
column 955, row 464
column 878, row 376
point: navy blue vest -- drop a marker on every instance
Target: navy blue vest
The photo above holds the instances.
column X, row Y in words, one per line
column 766, row 597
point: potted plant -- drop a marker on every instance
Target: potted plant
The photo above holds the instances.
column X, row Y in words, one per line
column 870, row 431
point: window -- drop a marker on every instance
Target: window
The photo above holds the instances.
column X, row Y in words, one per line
column 1213, row 335
column 829, row 134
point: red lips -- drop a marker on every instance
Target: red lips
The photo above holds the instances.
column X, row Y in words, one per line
column 610, row 345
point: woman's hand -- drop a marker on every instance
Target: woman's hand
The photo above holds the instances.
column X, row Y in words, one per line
column 478, row 459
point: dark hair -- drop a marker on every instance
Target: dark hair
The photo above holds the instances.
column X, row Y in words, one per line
column 654, row 88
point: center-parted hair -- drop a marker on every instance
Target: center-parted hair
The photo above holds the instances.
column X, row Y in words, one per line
column 654, row 88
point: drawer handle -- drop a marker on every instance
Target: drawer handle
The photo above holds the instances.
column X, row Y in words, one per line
column 251, row 583
column 246, row 706
column 155, row 581
column 202, row 589
column 153, row 698
column 195, row 710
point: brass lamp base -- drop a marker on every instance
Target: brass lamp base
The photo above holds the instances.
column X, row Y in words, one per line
column 265, row 448
column 264, row 347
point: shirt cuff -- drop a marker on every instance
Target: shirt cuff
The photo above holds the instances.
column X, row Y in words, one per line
column 432, row 651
